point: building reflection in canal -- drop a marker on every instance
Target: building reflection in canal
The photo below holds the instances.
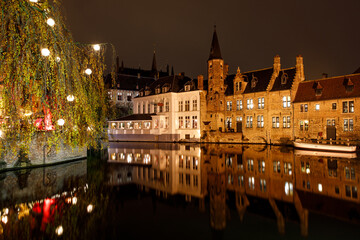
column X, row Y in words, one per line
column 288, row 184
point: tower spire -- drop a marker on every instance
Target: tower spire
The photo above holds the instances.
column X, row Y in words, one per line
column 154, row 68
column 215, row 52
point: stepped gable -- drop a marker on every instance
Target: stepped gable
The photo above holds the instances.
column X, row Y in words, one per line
column 284, row 80
column 340, row 87
column 229, row 82
column 262, row 78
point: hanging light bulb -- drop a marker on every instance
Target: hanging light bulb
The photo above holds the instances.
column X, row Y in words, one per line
column 88, row 71
column 96, row 47
column 70, row 98
column 61, row 122
column 50, row 22
column 45, row 52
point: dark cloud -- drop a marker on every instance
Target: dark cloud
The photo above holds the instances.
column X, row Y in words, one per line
column 250, row 32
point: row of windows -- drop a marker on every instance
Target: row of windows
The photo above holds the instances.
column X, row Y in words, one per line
column 348, row 124
column 260, row 103
column 187, row 179
column 347, row 107
column 187, row 122
column 185, row 105
column 120, row 96
column 187, row 160
column 157, row 107
column 275, row 121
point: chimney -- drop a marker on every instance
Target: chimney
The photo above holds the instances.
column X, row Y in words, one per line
column 300, row 68
column 226, row 70
column 167, row 70
column 277, row 65
column 325, row 75
column 200, row 79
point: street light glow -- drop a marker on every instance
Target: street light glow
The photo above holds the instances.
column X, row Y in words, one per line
column 88, row 71
column 70, row 98
column 45, row 52
column 96, row 47
column 50, row 22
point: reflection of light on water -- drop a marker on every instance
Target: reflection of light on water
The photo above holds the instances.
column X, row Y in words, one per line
column 320, row 187
column 59, row 230
column 147, row 158
column 308, row 170
column 4, row 219
column 90, row 208
column 74, row 200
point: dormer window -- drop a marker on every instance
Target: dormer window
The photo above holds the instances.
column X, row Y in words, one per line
column 157, row 90
column 318, row 89
column 349, row 85
column 254, row 81
column 284, row 78
column 147, row 91
column 187, row 88
column 166, row 87
column 141, row 93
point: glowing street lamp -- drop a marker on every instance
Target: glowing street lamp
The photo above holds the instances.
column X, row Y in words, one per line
column 70, row 98
column 61, row 122
column 88, row 71
column 45, row 52
column 96, row 47
column 50, row 22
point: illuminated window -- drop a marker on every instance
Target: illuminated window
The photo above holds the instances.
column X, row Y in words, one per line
column 195, row 163
column 180, row 106
column 333, row 107
column 230, row 179
column 317, row 107
column 348, row 125
column 181, row 122
column 261, row 165
column 228, row 105
column 119, row 96
column 239, row 105
column 187, row 121
column 187, row 105
column 252, row 183
column 288, row 168
column 275, row 122
column 194, row 105
column 249, row 121
column 181, row 161
column 276, row 166
column 260, row 121
column 250, row 165
column 261, row 103
column 188, row 159
column 241, row 181
column 263, row 185
column 320, row 188
column 228, row 122
column 286, row 101
column 349, row 173
column 289, row 191
column 286, row 122
column 194, row 122
column 249, row 104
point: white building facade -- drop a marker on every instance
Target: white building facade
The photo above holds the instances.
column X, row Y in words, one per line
column 161, row 114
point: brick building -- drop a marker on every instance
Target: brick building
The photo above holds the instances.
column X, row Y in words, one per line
column 252, row 106
column 328, row 108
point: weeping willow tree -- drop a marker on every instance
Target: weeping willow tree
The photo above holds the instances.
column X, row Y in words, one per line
column 49, row 84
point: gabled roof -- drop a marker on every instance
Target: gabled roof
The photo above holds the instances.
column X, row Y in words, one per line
column 175, row 82
column 347, row 86
column 284, row 80
column 128, row 82
column 263, row 79
column 215, row 52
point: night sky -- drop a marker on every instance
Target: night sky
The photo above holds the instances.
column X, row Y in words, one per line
column 251, row 32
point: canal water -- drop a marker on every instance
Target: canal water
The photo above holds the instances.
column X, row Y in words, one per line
column 186, row 191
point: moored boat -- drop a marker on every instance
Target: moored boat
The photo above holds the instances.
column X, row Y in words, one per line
column 302, row 152
column 324, row 147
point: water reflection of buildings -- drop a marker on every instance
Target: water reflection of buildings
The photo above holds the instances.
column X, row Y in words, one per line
column 278, row 177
